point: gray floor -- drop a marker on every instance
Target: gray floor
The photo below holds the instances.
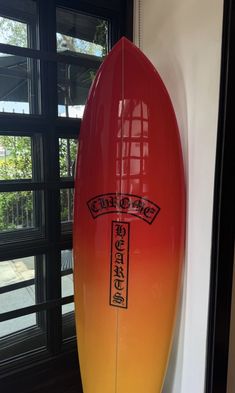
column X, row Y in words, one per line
column 18, row 270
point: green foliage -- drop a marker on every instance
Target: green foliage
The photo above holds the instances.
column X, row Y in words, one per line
column 16, row 210
column 68, row 149
column 13, row 32
column 101, row 35
column 66, row 200
column 15, row 207
column 17, row 161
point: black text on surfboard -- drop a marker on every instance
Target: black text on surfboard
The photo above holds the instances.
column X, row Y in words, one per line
column 123, row 203
column 120, row 234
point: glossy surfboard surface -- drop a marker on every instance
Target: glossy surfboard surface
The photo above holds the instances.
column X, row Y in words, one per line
column 129, row 227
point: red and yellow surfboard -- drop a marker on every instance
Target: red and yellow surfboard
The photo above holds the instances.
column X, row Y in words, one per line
column 129, row 227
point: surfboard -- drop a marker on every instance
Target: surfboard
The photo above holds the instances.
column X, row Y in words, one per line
column 129, row 227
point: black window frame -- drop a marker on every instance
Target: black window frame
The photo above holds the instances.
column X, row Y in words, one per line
column 223, row 232
column 46, row 129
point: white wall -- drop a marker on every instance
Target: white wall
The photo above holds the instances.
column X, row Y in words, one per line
column 183, row 40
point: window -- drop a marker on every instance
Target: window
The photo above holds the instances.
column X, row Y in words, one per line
column 49, row 55
column 75, row 39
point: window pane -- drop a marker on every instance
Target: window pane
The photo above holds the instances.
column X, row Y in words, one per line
column 18, row 84
column 18, row 336
column 73, row 86
column 17, row 285
column 79, row 33
column 68, row 321
column 68, row 151
column 86, row 38
column 13, row 31
column 66, row 205
column 20, row 210
column 15, row 157
column 66, row 273
column 16, row 324
column 68, row 308
column 68, row 326
column 21, row 286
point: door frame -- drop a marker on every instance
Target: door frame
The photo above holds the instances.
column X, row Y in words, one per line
column 222, row 252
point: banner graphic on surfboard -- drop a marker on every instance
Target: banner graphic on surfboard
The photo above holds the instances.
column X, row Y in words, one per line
column 129, row 227
column 123, row 203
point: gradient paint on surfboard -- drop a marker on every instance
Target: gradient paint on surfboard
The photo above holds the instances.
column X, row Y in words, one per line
column 129, row 227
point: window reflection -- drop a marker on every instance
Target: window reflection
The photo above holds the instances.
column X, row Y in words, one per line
column 132, row 146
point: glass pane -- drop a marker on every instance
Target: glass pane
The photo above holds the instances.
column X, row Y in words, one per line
column 68, row 325
column 67, row 273
column 73, row 86
column 68, row 321
column 18, row 289
column 20, row 210
column 16, row 325
column 27, row 337
column 17, row 286
column 18, row 84
column 79, row 33
column 13, row 31
column 66, row 205
column 68, row 151
column 68, row 308
column 15, row 157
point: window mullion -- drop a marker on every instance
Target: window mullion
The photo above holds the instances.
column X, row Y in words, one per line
column 47, row 28
column 54, row 316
